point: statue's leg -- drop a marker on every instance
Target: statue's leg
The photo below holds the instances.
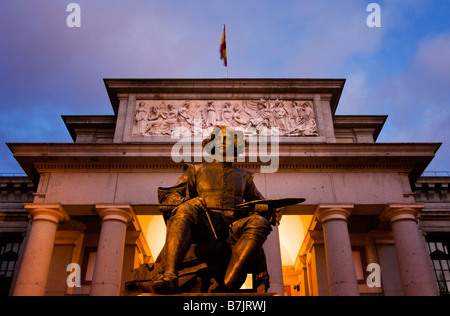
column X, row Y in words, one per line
column 178, row 242
column 249, row 235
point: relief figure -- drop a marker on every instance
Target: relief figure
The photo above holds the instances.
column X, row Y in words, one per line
column 171, row 120
column 185, row 117
column 155, row 118
column 211, row 115
column 141, row 118
column 280, row 116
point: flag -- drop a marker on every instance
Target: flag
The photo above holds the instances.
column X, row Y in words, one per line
column 223, row 48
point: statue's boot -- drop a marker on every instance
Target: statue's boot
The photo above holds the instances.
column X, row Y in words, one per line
column 167, row 284
column 243, row 256
column 178, row 240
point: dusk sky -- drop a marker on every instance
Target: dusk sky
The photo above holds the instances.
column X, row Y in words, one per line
column 401, row 69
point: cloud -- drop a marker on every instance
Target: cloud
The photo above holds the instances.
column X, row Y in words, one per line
column 335, row 33
column 430, row 73
column 428, row 83
column 37, row 124
column 416, row 99
column 422, row 91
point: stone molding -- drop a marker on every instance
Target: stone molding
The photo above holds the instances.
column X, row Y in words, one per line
column 217, row 89
column 156, row 157
column 138, row 167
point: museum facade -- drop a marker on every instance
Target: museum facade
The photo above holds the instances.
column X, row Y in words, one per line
column 85, row 216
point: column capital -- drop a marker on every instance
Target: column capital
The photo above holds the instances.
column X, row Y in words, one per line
column 118, row 212
column 44, row 211
column 326, row 212
column 398, row 211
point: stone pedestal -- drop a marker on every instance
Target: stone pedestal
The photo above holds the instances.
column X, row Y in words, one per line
column 340, row 267
column 33, row 273
column 415, row 269
column 111, row 246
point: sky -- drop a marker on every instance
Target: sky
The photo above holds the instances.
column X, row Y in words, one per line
column 48, row 69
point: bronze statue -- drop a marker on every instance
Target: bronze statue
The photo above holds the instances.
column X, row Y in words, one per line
column 204, row 193
column 206, row 208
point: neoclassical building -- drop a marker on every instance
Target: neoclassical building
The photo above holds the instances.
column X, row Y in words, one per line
column 85, row 215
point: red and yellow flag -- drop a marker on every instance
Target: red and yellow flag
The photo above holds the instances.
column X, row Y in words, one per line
column 223, row 48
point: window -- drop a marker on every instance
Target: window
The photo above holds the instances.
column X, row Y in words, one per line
column 9, row 252
column 440, row 256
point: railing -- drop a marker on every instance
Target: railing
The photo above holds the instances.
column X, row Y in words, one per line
column 13, row 175
column 436, row 174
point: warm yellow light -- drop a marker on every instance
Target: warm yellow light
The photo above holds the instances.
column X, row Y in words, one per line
column 292, row 230
column 154, row 230
column 248, row 284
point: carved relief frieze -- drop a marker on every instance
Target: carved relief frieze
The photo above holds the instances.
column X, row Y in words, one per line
column 160, row 118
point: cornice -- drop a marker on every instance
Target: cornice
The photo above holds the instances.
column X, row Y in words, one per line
column 79, row 157
column 117, row 87
column 164, row 149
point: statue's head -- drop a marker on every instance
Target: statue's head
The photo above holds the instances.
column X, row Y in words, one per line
column 224, row 144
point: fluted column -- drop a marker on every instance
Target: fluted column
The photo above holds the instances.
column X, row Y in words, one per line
column 35, row 267
column 413, row 259
column 340, row 267
column 111, row 246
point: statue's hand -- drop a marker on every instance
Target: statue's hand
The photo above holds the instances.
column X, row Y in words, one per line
column 175, row 200
column 166, row 209
column 261, row 208
column 197, row 202
column 269, row 213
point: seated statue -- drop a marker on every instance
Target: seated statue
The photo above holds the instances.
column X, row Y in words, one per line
column 208, row 238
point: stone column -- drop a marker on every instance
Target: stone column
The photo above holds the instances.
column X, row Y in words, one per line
column 340, row 267
column 272, row 251
column 413, row 259
column 111, row 246
column 35, row 267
